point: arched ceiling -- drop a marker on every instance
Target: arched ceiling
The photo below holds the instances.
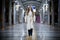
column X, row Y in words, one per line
column 36, row 3
column 33, row 3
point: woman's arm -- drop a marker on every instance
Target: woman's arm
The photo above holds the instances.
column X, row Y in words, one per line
column 34, row 17
column 25, row 18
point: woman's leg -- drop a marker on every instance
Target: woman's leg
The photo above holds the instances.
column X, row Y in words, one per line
column 28, row 32
column 31, row 31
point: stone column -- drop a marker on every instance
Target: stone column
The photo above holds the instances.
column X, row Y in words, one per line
column 10, row 12
column 48, row 15
column 3, row 14
column 52, row 11
column 21, row 16
column 14, row 14
column 41, row 16
column 59, row 13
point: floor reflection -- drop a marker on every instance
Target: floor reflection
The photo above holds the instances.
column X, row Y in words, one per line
column 19, row 32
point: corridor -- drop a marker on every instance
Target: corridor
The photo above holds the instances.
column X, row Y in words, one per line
column 46, row 24
column 43, row 32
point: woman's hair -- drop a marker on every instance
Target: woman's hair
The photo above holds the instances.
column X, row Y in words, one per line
column 28, row 9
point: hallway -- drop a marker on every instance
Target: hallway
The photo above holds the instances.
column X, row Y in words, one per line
column 46, row 25
column 43, row 32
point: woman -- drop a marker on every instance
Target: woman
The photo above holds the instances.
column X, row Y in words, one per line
column 29, row 18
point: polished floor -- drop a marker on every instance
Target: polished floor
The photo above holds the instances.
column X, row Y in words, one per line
column 41, row 32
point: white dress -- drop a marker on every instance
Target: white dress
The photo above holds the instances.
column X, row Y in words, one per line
column 29, row 20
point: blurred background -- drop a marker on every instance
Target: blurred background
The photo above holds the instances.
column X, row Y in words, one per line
column 13, row 26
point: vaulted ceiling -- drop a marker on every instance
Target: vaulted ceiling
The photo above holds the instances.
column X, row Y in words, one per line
column 37, row 3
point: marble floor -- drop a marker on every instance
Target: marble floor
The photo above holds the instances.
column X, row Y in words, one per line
column 41, row 32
